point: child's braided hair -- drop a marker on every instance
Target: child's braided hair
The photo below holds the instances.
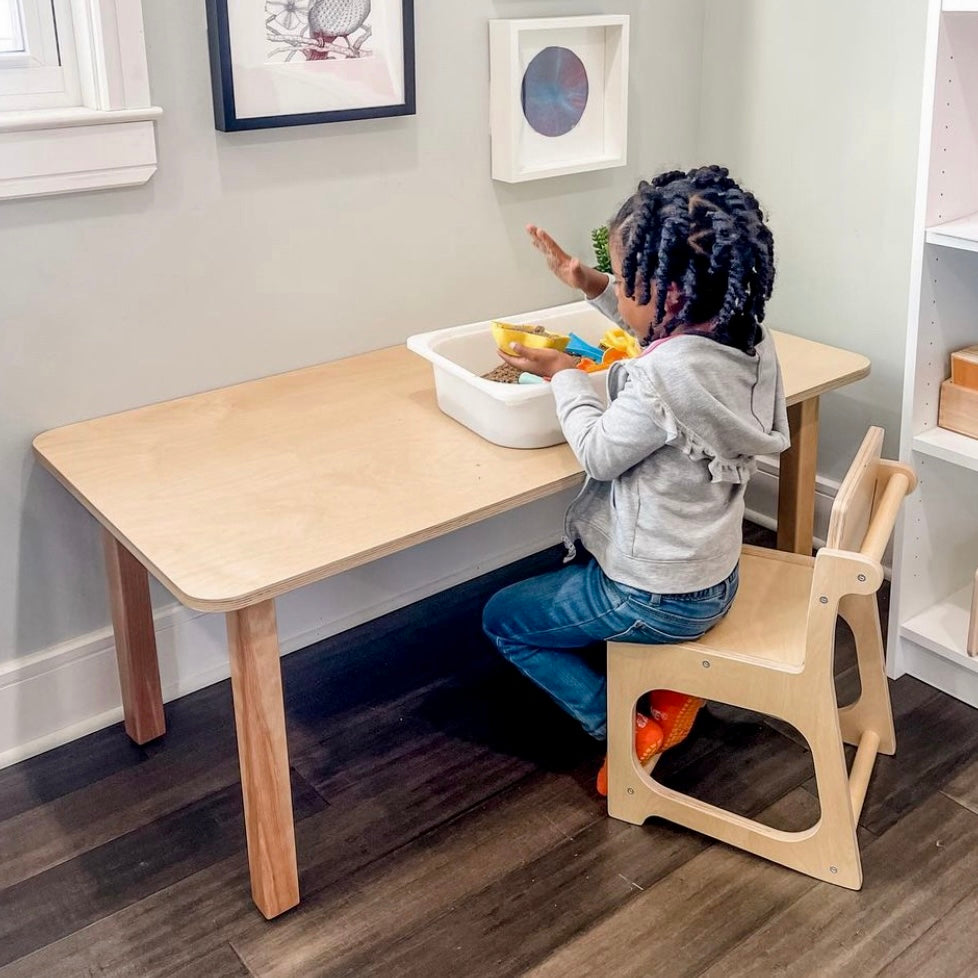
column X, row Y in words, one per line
column 703, row 232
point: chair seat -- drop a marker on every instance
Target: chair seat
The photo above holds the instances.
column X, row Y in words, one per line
column 768, row 620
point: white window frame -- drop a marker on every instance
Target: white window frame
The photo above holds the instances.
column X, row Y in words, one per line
column 43, row 75
column 19, row 31
column 107, row 140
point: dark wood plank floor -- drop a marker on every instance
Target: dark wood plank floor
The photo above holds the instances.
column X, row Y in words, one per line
column 447, row 826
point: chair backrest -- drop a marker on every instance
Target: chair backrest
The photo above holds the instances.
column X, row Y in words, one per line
column 868, row 500
column 862, row 520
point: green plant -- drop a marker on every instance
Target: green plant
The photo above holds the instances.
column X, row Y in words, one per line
column 602, row 258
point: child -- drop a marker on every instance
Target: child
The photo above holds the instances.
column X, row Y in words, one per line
column 668, row 461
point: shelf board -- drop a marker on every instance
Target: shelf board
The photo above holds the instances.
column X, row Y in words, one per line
column 949, row 446
column 943, row 628
column 962, row 233
column 956, row 6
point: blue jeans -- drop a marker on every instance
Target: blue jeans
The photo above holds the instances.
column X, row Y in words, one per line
column 543, row 626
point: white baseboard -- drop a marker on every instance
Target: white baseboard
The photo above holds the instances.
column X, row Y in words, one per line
column 762, row 499
column 72, row 689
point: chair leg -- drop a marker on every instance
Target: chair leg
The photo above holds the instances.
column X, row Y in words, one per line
column 833, row 851
column 827, row 850
column 626, row 798
column 872, row 711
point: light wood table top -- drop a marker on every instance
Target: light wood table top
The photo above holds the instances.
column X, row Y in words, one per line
column 238, row 495
column 809, row 369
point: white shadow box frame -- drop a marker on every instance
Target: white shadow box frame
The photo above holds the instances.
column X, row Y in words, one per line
column 599, row 139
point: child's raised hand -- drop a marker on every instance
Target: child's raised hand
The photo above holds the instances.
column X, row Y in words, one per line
column 571, row 271
column 542, row 362
column 567, row 268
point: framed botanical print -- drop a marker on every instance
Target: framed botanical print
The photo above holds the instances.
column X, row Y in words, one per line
column 298, row 62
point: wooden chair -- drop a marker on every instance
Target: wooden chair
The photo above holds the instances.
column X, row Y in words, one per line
column 774, row 653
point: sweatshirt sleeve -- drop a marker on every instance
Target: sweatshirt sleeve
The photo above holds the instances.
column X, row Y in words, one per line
column 607, row 442
column 607, row 304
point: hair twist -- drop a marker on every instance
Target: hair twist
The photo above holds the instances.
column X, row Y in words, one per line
column 703, row 232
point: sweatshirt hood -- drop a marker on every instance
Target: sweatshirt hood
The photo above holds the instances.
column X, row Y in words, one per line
column 714, row 401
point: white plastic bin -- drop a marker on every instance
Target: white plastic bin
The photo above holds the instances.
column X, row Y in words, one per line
column 511, row 415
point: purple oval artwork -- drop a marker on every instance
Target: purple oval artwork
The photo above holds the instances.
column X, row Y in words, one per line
column 555, row 90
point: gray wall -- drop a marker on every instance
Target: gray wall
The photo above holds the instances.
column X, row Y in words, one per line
column 254, row 253
column 815, row 104
column 249, row 254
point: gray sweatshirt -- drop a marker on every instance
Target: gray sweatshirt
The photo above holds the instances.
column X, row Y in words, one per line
column 668, row 461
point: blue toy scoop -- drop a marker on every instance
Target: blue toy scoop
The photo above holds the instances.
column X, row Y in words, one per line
column 580, row 348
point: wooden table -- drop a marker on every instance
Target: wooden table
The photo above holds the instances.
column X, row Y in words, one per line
column 234, row 497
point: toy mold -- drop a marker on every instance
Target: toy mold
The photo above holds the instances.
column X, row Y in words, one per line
column 528, row 335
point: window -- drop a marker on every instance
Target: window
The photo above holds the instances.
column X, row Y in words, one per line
column 11, row 29
column 39, row 69
column 75, row 112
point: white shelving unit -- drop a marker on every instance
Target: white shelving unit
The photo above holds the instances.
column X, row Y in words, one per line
column 962, row 233
column 936, row 549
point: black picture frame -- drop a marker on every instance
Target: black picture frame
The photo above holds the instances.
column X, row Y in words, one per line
column 222, row 81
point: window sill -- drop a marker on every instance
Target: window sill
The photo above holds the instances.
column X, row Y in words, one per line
column 60, row 151
column 69, row 118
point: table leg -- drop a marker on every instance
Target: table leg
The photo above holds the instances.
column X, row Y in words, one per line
column 259, row 717
column 796, row 483
column 135, row 642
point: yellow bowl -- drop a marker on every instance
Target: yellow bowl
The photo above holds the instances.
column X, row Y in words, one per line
column 506, row 333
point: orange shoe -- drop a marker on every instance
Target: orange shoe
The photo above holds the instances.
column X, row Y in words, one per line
column 675, row 713
column 649, row 737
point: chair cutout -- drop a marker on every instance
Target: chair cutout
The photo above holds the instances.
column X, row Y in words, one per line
column 773, row 654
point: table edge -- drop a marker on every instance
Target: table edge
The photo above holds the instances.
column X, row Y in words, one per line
column 227, row 603
column 832, row 385
column 235, row 602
